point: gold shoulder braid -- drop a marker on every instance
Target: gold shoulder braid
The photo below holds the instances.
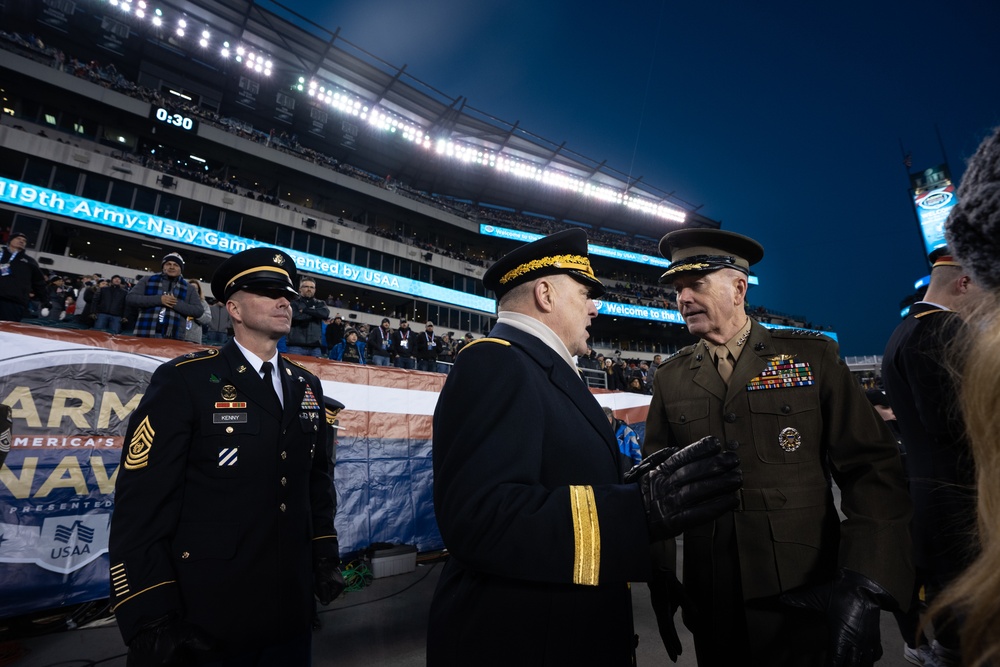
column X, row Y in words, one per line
column 500, row 341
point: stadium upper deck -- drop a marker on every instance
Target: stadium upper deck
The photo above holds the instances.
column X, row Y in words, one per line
column 131, row 128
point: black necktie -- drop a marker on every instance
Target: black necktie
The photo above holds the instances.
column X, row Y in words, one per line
column 266, row 369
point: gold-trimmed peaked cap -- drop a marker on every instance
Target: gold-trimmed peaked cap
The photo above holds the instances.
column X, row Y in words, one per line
column 706, row 250
column 256, row 269
column 562, row 252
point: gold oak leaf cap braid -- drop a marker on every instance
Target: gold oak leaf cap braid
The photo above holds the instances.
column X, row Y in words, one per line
column 562, row 252
column 705, row 250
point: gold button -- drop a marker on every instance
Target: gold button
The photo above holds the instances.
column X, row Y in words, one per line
column 186, row 554
column 229, row 429
column 315, row 427
column 284, row 455
column 284, row 482
column 281, row 507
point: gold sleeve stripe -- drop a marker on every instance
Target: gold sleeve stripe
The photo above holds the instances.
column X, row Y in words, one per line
column 135, row 595
column 587, row 536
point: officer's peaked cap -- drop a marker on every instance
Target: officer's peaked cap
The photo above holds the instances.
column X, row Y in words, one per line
column 562, row 252
column 256, row 269
column 706, row 250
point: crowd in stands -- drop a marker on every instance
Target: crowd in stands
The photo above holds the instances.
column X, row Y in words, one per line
column 624, row 288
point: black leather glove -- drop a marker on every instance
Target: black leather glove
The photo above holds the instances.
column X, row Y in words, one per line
column 644, row 466
column 166, row 642
column 328, row 582
column 693, row 486
column 666, row 594
column 852, row 603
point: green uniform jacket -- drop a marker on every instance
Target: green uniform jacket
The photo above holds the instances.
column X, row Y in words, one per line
column 796, row 417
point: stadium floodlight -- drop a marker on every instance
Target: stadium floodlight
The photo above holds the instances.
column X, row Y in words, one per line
column 140, row 14
column 157, row 21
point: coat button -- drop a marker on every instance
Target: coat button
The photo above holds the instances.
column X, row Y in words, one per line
column 229, row 429
column 281, row 507
column 698, row 358
column 732, row 445
column 683, row 418
column 284, row 455
column 730, row 417
column 284, row 481
column 785, row 409
column 186, row 554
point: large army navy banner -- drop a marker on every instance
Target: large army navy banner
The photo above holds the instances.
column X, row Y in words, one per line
column 72, row 392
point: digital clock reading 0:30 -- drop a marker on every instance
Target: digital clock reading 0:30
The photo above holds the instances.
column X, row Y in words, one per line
column 175, row 119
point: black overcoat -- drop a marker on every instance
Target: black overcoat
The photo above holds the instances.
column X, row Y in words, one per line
column 543, row 536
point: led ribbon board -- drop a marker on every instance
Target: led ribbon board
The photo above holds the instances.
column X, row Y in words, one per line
column 53, row 202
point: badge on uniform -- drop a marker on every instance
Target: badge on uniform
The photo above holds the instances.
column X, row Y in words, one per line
column 783, row 371
column 140, row 446
column 789, row 439
column 228, row 456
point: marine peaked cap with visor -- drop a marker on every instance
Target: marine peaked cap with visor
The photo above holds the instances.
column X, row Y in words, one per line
column 562, row 252
column 258, row 270
column 707, row 250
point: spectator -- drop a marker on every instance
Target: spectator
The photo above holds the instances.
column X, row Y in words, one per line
column 466, row 339
column 109, row 306
column 426, row 349
column 446, row 353
column 220, row 329
column 20, row 278
column 56, row 310
column 628, row 441
column 164, row 301
column 380, row 344
column 402, row 346
column 308, row 313
column 335, row 332
column 196, row 324
column 84, row 312
column 350, row 349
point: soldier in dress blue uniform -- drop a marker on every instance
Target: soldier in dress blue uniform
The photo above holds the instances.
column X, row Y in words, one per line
column 223, row 524
column 787, row 403
column 543, row 536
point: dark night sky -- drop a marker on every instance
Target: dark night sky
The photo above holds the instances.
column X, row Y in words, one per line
column 783, row 120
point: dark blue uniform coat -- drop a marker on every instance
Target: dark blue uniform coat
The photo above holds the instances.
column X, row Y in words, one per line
column 543, row 536
column 222, row 500
column 918, row 383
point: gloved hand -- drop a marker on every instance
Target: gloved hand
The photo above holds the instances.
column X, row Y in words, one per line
column 666, row 594
column 166, row 642
column 852, row 603
column 693, row 486
column 328, row 582
column 644, row 466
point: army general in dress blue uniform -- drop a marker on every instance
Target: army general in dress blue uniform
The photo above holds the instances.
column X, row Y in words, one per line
column 543, row 535
column 223, row 522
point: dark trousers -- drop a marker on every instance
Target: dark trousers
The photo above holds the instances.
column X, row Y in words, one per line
column 730, row 631
column 293, row 652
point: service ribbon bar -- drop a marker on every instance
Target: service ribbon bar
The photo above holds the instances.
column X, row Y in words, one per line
column 782, row 375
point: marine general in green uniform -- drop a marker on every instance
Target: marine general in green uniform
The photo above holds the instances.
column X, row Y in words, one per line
column 784, row 579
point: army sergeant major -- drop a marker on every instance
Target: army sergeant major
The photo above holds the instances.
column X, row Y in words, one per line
column 223, row 522
column 789, row 406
